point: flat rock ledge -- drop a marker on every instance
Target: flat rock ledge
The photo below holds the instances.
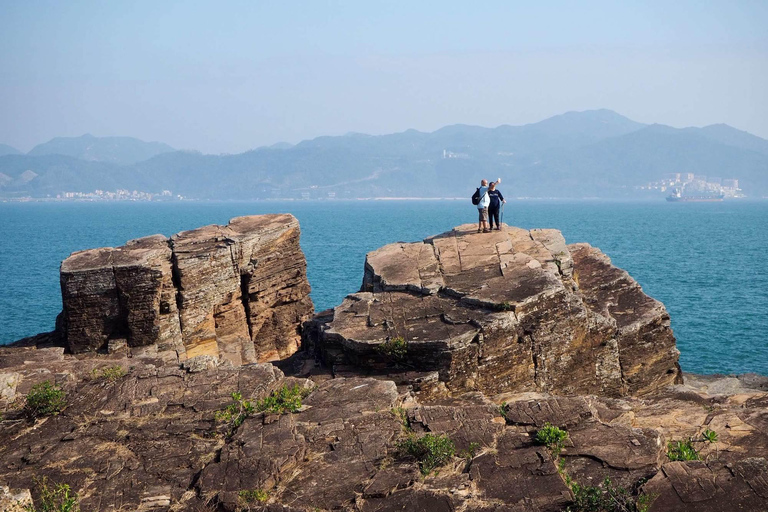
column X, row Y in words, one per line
column 150, row 440
column 510, row 310
column 237, row 292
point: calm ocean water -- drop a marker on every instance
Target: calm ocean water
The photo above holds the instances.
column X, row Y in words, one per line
column 704, row 261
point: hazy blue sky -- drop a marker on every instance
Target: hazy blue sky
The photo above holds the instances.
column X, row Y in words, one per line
column 230, row 76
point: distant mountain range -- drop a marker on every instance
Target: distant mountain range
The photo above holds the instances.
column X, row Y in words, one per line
column 595, row 153
column 116, row 150
column 5, row 149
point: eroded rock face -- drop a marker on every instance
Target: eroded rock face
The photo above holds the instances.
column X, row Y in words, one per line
column 238, row 292
column 150, row 441
column 511, row 310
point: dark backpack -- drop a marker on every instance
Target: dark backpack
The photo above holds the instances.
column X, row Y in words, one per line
column 476, row 197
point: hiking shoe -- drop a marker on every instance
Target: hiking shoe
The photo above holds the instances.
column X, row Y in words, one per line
column 486, row 231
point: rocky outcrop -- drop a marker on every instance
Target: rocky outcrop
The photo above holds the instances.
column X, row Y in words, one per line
column 513, row 310
column 482, row 338
column 237, row 291
column 150, row 440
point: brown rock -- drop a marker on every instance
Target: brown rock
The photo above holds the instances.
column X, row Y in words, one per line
column 508, row 311
column 238, row 292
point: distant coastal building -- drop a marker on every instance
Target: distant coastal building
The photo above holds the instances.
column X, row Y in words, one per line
column 450, row 154
column 695, row 184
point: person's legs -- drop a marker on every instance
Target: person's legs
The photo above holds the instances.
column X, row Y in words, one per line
column 493, row 214
column 479, row 220
column 483, row 219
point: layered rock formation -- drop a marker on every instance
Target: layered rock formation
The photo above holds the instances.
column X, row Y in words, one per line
column 550, row 333
column 150, row 441
column 238, row 292
column 513, row 310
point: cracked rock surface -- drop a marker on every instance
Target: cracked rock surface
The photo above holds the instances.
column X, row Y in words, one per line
column 510, row 310
column 150, row 441
column 238, row 292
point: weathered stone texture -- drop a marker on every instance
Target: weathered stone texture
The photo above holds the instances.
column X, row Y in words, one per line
column 238, row 292
column 511, row 310
column 150, row 441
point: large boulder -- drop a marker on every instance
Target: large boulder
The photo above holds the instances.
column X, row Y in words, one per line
column 238, row 292
column 511, row 310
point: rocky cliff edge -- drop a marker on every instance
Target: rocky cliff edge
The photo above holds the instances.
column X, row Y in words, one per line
column 511, row 310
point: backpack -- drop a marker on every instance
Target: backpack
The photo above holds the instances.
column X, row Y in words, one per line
column 476, row 197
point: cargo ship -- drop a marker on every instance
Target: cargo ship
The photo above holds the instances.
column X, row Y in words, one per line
column 677, row 197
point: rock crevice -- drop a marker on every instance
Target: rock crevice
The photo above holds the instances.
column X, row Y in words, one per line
column 552, row 317
column 237, row 292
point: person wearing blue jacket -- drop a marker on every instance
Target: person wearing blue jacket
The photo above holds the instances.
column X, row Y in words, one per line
column 496, row 200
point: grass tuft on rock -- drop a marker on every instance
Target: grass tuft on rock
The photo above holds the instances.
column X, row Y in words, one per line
column 54, row 498
column 253, row 496
column 284, row 400
column 235, row 413
column 45, row 399
column 607, row 497
column 552, row 437
column 109, row 374
column 682, row 450
column 396, row 348
column 432, row 451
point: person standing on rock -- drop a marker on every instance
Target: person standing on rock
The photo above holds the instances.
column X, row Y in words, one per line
column 482, row 207
column 496, row 201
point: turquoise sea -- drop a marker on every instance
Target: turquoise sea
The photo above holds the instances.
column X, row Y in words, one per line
column 705, row 261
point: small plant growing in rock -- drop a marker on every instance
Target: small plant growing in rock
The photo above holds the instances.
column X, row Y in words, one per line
column 236, row 412
column 109, row 374
column 505, row 306
column 432, row 451
column 284, row 400
column 402, row 415
column 470, row 452
column 396, row 348
column 552, row 437
column 682, row 450
column 55, row 498
column 607, row 497
column 709, row 436
column 45, row 399
column 254, row 496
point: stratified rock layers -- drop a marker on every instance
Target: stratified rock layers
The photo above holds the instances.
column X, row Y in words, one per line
column 238, row 292
column 511, row 310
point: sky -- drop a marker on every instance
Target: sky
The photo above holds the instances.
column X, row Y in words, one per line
column 229, row 76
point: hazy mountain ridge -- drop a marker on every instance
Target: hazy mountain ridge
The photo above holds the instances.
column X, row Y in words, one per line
column 117, row 150
column 577, row 154
column 5, row 149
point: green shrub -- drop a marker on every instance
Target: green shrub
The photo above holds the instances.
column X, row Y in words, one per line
column 470, row 452
column 236, row 412
column 682, row 450
column 254, row 495
column 432, row 451
column 45, row 399
column 396, row 348
column 552, row 437
column 607, row 498
column 110, row 373
column 710, row 436
column 504, row 306
column 284, row 400
column 55, row 498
